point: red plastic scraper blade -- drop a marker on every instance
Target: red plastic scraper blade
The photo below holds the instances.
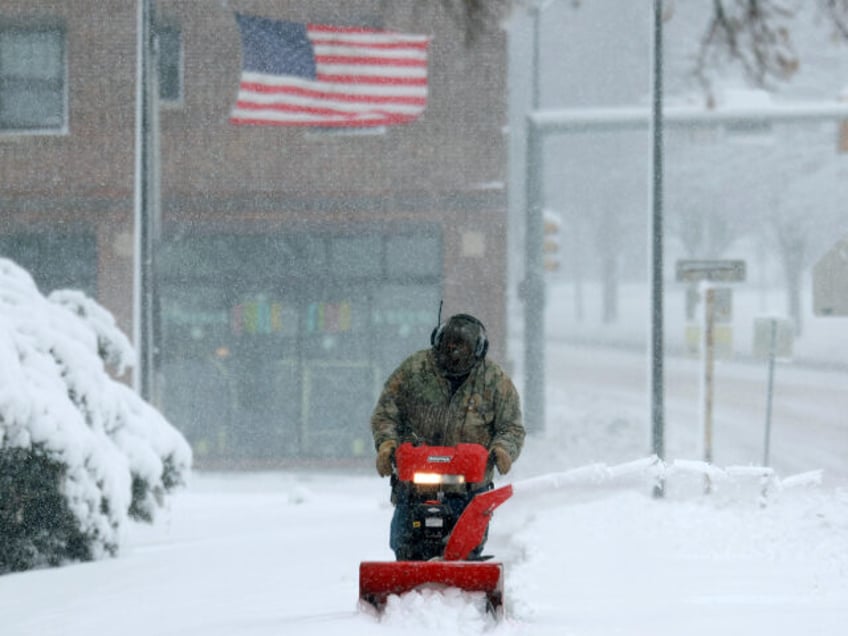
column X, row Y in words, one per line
column 471, row 526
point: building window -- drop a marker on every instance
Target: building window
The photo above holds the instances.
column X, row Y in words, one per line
column 55, row 259
column 32, row 79
column 170, row 57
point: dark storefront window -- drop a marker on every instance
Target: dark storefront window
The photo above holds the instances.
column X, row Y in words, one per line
column 414, row 257
column 355, row 257
column 277, row 346
column 55, row 260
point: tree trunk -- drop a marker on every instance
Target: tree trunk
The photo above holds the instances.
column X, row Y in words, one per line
column 609, row 280
column 793, row 247
column 793, row 297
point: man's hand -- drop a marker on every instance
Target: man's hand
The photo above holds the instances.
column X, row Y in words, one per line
column 384, row 457
column 502, row 459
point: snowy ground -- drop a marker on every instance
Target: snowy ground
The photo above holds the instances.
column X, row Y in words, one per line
column 277, row 553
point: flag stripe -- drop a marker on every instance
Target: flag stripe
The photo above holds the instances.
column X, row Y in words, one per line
column 290, row 107
column 408, row 48
column 400, row 74
column 272, row 83
column 356, row 76
column 396, row 53
column 269, row 119
column 323, row 110
column 362, row 34
column 347, row 78
column 361, row 60
column 329, row 108
column 261, row 92
column 334, row 106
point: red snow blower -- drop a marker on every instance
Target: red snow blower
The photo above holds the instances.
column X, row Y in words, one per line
column 444, row 546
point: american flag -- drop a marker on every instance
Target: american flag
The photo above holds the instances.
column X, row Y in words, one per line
column 297, row 74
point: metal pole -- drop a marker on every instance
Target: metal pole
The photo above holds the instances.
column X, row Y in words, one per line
column 536, row 91
column 536, row 8
column 770, row 390
column 534, row 286
column 146, row 201
column 534, row 289
column 575, row 120
column 657, row 354
column 709, row 367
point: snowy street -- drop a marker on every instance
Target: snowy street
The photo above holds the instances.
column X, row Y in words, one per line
column 809, row 422
column 267, row 553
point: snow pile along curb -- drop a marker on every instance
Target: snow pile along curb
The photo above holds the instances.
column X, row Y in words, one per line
column 653, row 470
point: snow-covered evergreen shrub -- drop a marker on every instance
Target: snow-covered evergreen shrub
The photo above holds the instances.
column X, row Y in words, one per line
column 80, row 452
column 36, row 522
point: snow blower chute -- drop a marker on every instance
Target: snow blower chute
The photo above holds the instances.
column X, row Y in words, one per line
column 443, row 546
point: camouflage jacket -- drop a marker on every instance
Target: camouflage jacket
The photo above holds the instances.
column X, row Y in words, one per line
column 416, row 406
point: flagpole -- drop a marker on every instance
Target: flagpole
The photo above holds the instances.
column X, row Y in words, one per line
column 146, row 203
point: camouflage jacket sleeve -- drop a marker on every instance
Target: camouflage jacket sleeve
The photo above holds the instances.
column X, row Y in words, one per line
column 508, row 428
column 385, row 421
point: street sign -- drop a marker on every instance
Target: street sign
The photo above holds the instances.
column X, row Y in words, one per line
column 830, row 282
column 719, row 271
column 773, row 337
column 722, row 340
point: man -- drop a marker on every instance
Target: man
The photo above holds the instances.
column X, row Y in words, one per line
column 443, row 396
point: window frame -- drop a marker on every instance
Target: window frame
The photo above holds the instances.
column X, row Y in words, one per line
column 6, row 128
column 179, row 63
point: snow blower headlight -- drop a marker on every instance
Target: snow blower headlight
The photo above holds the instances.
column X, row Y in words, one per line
column 435, row 479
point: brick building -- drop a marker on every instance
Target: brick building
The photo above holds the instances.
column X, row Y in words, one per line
column 296, row 266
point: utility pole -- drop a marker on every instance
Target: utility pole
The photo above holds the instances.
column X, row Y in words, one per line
column 536, row 100
column 657, row 388
column 533, row 287
column 146, row 202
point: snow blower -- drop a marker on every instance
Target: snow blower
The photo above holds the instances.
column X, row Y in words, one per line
column 444, row 546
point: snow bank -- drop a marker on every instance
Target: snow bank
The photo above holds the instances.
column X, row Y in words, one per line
column 652, row 470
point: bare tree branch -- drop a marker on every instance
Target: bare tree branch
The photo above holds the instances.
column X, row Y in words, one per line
column 837, row 10
column 477, row 17
column 753, row 33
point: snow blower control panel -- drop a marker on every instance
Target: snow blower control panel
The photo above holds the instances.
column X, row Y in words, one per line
column 437, row 465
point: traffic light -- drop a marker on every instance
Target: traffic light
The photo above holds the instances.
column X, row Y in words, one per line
column 552, row 224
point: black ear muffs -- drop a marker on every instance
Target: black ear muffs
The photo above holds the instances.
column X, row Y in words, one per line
column 481, row 347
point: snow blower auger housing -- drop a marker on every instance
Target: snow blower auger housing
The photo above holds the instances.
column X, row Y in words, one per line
column 442, row 546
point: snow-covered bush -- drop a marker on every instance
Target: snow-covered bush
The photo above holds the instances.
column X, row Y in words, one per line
column 80, row 452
